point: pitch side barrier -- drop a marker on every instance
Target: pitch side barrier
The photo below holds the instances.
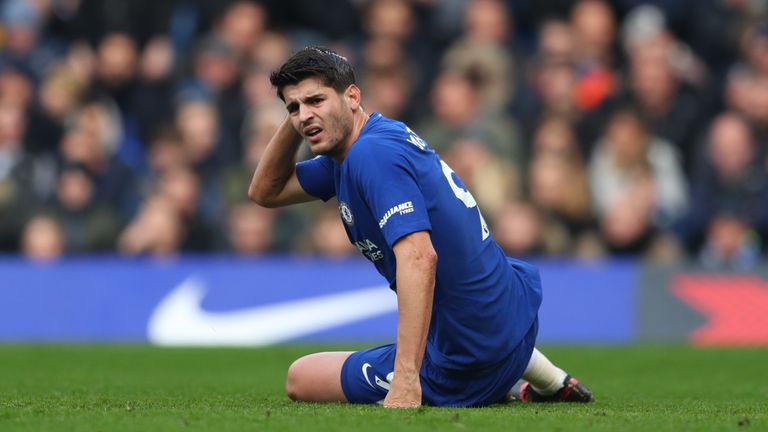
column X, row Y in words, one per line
column 216, row 300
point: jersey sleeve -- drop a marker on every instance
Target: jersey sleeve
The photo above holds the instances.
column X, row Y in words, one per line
column 316, row 177
column 390, row 187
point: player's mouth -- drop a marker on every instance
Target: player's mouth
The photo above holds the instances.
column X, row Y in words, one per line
column 313, row 133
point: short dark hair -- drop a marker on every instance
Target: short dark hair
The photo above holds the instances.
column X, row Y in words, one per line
column 314, row 62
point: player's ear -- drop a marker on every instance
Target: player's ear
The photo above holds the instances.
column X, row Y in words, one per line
column 353, row 96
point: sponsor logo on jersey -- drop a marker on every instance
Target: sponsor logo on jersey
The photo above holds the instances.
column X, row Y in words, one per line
column 369, row 249
column 346, row 213
column 402, row 208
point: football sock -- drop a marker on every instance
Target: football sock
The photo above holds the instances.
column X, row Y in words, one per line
column 545, row 378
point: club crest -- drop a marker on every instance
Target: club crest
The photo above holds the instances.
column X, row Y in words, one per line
column 346, row 213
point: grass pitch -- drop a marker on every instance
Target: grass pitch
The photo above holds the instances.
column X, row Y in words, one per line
column 132, row 388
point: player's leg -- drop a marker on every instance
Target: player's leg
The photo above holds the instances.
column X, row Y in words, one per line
column 366, row 375
column 548, row 383
column 317, row 377
column 544, row 377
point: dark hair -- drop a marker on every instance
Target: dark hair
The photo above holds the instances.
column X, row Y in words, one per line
column 314, row 62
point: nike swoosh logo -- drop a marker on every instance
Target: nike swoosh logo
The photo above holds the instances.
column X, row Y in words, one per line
column 180, row 320
column 379, row 382
column 365, row 373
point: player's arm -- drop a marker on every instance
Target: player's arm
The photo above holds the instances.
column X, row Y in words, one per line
column 274, row 182
column 416, row 264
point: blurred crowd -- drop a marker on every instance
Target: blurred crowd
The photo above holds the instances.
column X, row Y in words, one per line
column 584, row 128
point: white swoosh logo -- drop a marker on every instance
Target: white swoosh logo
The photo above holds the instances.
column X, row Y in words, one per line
column 365, row 373
column 180, row 320
column 379, row 382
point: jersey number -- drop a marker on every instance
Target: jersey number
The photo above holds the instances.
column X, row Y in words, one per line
column 464, row 196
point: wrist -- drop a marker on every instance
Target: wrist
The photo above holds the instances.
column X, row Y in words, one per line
column 406, row 372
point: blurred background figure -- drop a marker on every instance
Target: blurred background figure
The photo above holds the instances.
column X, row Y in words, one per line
column 731, row 244
column 25, row 46
column 86, row 224
column 458, row 111
column 391, row 43
column 154, row 93
column 157, row 230
column 27, row 181
column 519, row 230
column 664, row 80
column 59, row 95
column 327, row 235
column 92, row 140
column 242, row 26
column 486, row 48
column 42, row 239
column 638, row 184
column 491, row 180
column 558, row 184
column 594, row 25
column 594, row 29
column 199, row 130
column 389, row 92
column 730, row 190
column 250, row 229
column 181, row 188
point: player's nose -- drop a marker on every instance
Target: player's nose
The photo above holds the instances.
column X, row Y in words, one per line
column 305, row 113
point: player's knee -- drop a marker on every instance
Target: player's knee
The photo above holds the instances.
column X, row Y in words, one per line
column 294, row 383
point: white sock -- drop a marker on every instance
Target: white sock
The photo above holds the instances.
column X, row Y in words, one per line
column 545, row 378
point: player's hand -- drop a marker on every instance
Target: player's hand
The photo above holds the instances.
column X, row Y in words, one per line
column 404, row 393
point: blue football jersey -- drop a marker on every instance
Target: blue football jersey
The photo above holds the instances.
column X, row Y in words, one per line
column 392, row 184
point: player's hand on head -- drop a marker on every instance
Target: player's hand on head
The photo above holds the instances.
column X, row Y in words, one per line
column 405, row 393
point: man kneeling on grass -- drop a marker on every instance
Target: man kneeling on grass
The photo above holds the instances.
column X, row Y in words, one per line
column 467, row 314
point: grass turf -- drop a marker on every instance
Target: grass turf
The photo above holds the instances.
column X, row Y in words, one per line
column 115, row 388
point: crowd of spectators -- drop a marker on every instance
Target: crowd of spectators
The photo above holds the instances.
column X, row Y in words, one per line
column 584, row 128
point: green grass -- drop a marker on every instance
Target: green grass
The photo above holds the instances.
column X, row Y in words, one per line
column 138, row 388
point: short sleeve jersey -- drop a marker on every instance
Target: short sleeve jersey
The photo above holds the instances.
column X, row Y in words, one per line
column 392, row 184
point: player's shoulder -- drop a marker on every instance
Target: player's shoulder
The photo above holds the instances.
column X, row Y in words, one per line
column 383, row 139
column 378, row 125
column 318, row 161
column 380, row 129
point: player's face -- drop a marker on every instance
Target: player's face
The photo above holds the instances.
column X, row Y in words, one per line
column 321, row 115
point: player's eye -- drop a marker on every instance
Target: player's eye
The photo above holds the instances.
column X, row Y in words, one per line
column 292, row 108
